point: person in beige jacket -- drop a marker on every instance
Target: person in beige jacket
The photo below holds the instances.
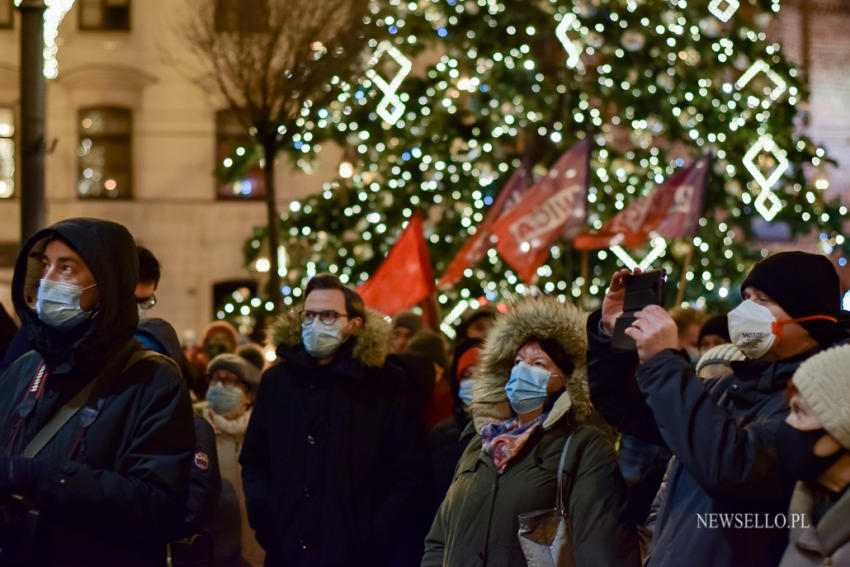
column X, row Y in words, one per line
column 814, row 444
column 233, row 383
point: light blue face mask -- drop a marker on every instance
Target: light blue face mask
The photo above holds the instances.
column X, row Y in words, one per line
column 526, row 388
column 57, row 304
column 224, row 399
column 321, row 340
column 464, row 391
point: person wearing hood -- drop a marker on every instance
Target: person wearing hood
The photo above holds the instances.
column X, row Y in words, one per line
column 530, row 397
column 110, row 479
column 814, row 445
column 721, row 431
column 333, row 463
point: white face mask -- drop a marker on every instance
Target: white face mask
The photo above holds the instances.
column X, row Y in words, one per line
column 321, row 340
column 751, row 328
column 143, row 312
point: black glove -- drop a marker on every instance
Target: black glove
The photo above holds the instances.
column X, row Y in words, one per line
column 18, row 474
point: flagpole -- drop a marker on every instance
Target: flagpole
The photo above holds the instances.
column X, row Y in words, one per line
column 585, row 274
column 680, row 293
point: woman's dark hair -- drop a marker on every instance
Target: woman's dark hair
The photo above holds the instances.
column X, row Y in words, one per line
column 560, row 358
column 457, row 409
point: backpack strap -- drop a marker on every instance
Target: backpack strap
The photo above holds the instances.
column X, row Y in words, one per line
column 75, row 404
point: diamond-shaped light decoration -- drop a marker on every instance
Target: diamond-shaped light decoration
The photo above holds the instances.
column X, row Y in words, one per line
column 761, row 67
column 568, row 22
column 766, row 182
column 765, row 210
column 659, row 246
column 390, row 107
column 723, row 9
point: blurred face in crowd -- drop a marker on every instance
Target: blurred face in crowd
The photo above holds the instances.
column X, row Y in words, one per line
column 479, row 328
column 61, row 264
column 145, row 294
column 689, row 338
column 400, row 338
column 228, row 378
column 711, row 341
column 837, row 477
column 795, row 338
column 533, row 354
column 333, row 300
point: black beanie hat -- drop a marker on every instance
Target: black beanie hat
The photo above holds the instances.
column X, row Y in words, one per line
column 802, row 284
column 717, row 325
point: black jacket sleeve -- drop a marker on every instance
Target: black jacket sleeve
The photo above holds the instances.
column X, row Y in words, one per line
column 254, row 458
column 204, row 480
column 602, row 532
column 144, row 497
column 725, row 458
column 613, row 390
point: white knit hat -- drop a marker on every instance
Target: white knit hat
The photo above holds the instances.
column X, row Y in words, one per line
column 721, row 354
column 824, row 382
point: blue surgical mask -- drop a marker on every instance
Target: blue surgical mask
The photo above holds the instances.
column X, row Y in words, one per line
column 464, row 391
column 526, row 388
column 321, row 340
column 224, row 399
column 58, row 304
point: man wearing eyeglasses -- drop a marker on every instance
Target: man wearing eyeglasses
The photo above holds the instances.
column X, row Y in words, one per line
column 148, row 281
column 333, row 463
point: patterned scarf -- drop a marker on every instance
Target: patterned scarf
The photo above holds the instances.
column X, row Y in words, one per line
column 503, row 441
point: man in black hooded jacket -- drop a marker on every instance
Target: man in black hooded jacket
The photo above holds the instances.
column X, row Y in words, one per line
column 110, row 483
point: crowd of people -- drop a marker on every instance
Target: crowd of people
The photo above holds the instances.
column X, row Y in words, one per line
column 529, row 439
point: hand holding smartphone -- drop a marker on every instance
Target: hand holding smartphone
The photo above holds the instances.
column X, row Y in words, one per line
column 642, row 289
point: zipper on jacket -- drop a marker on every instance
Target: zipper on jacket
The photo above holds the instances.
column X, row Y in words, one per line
column 495, row 491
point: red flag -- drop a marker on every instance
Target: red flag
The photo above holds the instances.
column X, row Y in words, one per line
column 405, row 277
column 474, row 249
column 555, row 204
column 671, row 209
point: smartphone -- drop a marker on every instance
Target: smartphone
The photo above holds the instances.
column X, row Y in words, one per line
column 646, row 288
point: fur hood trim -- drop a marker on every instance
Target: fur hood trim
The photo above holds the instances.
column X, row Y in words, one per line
column 543, row 317
column 373, row 342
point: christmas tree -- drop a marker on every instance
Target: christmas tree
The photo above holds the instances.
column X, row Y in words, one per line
column 655, row 84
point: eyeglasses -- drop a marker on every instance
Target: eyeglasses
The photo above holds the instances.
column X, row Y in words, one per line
column 328, row 317
column 146, row 302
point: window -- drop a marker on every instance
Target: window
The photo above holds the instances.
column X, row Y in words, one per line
column 237, row 160
column 7, row 153
column 7, row 11
column 105, row 153
column 241, row 15
column 104, row 14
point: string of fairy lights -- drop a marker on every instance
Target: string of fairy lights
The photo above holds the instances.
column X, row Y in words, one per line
column 452, row 101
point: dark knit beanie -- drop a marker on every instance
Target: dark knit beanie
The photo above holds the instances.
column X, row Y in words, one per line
column 802, row 284
column 431, row 346
column 408, row 320
column 717, row 325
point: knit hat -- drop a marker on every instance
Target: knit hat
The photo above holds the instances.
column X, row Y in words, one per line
column 802, row 284
column 253, row 353
column 431, row 346
column 717, row 325
column 721, row 354
column 408, row 320
column 824, row 382
column 244, row 370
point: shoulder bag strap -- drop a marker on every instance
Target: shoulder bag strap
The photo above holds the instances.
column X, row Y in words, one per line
column 565, row 487
column 70, row 409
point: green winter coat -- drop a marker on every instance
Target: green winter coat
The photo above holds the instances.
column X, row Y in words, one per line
column 477, row 522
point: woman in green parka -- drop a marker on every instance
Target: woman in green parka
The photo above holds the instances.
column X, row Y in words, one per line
column 530, row 396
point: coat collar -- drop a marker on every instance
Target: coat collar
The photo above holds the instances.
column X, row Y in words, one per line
column 831, row 532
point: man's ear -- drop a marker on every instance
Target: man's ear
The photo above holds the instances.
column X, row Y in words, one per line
column 356, row 325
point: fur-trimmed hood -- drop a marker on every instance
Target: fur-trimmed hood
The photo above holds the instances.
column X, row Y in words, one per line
column 373, row 342
column 543, row 317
